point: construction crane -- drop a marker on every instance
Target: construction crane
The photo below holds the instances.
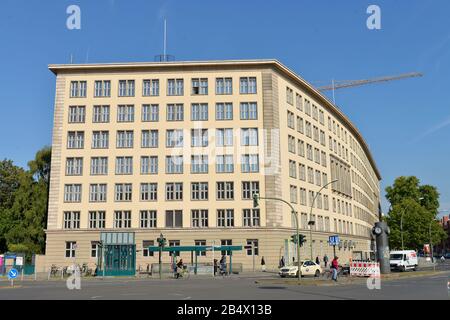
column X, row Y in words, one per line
column 356, row 83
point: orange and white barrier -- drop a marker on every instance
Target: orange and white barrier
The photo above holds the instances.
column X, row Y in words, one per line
column 364, row 268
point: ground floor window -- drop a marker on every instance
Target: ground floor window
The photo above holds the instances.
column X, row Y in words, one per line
column 145, row 245
column 201, row 243
column 253, row 242
column 70, row 249
column 226, row 242
column 94, row 249
column 174, row 243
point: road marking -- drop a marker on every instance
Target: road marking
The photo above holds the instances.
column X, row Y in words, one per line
column 96, row 297
column 187, row 298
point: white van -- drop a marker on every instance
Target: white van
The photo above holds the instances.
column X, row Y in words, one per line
column 403, row 260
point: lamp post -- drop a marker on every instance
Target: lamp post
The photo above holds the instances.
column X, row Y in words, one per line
column 431, row 245
column 257, row 197
column 311, row 224
column 312, row 205
column 401, row 222
column 162, row 242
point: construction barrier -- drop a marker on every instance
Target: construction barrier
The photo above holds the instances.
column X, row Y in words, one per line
column 359, row 268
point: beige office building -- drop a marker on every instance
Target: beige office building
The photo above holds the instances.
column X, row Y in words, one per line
column 179, row 148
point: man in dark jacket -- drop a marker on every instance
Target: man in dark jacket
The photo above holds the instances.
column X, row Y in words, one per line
column 325, row 260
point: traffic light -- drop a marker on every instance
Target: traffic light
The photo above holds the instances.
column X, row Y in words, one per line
column 255, row 200
column 161, row 241
column 302, row 239
column 294, row 238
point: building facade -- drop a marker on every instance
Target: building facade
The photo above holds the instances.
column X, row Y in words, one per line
column 180, row 148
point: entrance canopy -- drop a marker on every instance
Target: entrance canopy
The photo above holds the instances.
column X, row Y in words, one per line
column 195, row 248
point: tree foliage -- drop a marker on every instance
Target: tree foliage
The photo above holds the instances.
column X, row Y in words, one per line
column 23, row 204
column 418, row 204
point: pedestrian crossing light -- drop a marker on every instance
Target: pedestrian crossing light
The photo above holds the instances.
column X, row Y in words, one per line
column 255, row 200
column 161, row 241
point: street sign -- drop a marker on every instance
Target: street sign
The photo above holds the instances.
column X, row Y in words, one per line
column 19, row 261
column 333, row 240
column 13, row 273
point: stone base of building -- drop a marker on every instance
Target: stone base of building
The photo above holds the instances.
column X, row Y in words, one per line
column 273, row 243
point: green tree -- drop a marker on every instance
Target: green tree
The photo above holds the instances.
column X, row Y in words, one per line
column 419, row 207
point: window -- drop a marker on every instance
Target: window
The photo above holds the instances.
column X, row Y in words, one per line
column 199, row 218
column 201, row 243
column 124, row 165
column 251, row 218
column 72, row 193
column 291, row 144
column 75, row 140
column 225, row 218
column 315, row 113
column 125, row 113
column 226, row 242
column 224, row 164
column 199, row 164
column 224, row 86
column 249, row 188
column 126, row 88
column 149, row 139
column 78, row 89
column 74, row 166
column 147, row 219
column 174, row 219
column 199, row 112
column 94, row 249
column 174, row 164
column 174, row 243
column 318, row 178
column 308, row 129
column 254, row 244
column 149, row 192
column 97, row 193
column 321, row 117
column 199, row 191
column 175, row 87
column 149, row 165
column 323, row 158
column 290, row 96
column 150, row 88
column 97, row 219
column 249, row 111
column 249, row 137
column 72, row 220
column 309, row 152
column 301, row 148
column 70, row 249
column 102, row 88
column 310, row 175
column 101, row 114
column 224, row 111
column 100, row 140
column 77, row 114
column 175, row 112
column 248, row 85
column 302, row 172
column 224, row 137
column 290, row 120
column 250, row 163
column 174, row 138
column 303, row 199
column 292, row 169
column 299, row 102
column 293, row 194
column 225, row 190
column 174, row 191
column 300, row 125
column 122, row 219
column 316, row 133
column 99, row 166
column 200, row 86
column 145, row 251
column 150, row 113
column 199, row 137
column 123, row 192
column 308, row 107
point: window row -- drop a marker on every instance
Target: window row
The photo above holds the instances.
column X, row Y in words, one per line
column 175, row 87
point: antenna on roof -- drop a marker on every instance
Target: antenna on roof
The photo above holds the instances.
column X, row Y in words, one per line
column 164, row 57
column 71, row 58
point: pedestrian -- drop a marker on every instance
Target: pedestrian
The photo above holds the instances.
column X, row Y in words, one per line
column 325, row 260
column 282, row 263
column 223, row 265
column 216, row 266
column 179, row 267
column 263, row 264
column 334, row 268
column 318, row 260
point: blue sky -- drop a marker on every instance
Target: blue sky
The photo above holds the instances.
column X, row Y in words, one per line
column 406, row 123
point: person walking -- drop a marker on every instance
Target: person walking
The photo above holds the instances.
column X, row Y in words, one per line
column 318, row 260
column 263, row 264
column 334, row 268
column 325, row 260
column 282, row 263
column 216, row 266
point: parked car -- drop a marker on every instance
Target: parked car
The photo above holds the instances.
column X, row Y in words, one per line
column 447, row 255
column 307, row 268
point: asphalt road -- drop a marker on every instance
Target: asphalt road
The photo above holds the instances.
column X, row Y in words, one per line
column 236, row 288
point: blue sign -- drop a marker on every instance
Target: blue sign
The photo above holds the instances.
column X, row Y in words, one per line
column 13, row 273
column 333, row 240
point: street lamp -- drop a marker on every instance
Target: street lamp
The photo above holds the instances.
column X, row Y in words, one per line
column 312, row 205
column 401, row 222
column 311, row 223
column 257, row 197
